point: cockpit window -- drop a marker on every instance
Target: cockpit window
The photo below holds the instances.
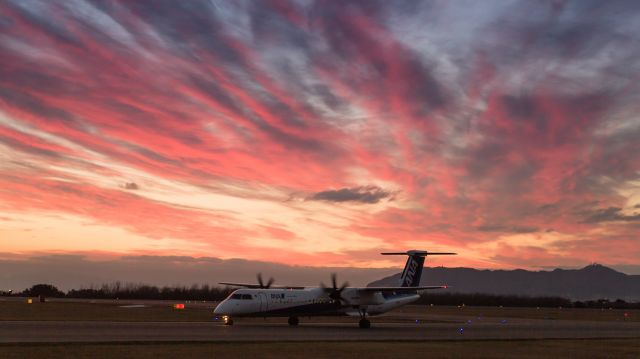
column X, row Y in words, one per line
column 246, row 296
column 236, row 296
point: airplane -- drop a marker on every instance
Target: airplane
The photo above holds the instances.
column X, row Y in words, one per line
column 266, row 300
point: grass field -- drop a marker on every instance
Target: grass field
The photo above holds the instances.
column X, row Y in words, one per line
column 583, row 349
column 85, row 311
column 101, row 312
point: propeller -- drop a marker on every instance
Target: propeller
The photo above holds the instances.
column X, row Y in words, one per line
column 335, row 293
column 262, row 284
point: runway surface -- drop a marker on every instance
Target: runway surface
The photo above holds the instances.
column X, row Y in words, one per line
column 58, row 331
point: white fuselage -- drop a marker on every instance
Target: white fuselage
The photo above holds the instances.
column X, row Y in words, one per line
column 308, row 302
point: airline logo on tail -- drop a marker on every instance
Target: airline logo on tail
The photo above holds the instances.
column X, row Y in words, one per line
column 412, row 272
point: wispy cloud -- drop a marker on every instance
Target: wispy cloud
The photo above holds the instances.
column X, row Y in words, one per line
column 362, row 194
column 608, row 215
column 131, row 186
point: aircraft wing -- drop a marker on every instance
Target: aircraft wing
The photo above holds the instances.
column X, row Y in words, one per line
column 401, row 289
column 258, row 286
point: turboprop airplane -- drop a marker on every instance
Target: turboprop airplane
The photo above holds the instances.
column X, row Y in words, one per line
column 266, row 300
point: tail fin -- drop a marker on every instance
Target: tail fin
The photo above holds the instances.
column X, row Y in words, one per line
column 413, row 269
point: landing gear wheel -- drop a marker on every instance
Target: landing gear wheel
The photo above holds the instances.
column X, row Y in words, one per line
column 364, row 323
column 228, row 321
column 293, row 321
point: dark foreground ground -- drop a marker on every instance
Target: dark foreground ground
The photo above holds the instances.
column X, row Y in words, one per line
column 141, row 329
column 558, row 348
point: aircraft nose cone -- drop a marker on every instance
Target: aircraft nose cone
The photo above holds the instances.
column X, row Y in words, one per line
column 220, row 309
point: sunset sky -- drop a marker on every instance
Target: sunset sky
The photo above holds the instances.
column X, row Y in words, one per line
column 322, row 132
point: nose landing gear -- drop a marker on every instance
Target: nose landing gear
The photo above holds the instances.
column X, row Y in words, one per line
column 293, row 321
column 364, row 323
column 227, row 320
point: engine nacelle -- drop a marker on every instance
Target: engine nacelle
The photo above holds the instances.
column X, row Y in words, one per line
column 365, row 298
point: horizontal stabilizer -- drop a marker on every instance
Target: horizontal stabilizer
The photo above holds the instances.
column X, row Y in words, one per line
column 417, row 253
column 401, row 289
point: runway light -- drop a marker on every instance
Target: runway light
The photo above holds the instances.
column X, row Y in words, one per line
column 461, row 330
column 178, row 306
column 29, row 301
column 503, row 321
column 469, row 321
column 417, row 321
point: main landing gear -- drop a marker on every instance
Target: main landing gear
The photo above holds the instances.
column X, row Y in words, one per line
column 364, row 323
column 293, row 321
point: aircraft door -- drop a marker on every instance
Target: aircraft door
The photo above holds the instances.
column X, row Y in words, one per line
column 263, row 302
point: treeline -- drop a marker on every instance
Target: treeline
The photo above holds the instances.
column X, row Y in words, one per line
column 493, row 300
column 605, row 303
column 143, row 291
column 118, row 290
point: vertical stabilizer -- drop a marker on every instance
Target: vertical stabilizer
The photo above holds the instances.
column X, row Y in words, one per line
column 412, row 272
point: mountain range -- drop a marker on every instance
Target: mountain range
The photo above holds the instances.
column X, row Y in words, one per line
column 591, row 282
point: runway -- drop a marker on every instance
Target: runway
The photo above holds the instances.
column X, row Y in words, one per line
column 77, row 331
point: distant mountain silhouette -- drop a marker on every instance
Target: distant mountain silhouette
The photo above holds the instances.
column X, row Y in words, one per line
column 591, row 282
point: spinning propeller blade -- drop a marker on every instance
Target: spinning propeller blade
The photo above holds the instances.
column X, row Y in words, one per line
column 262, row 284
column 335, row 293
